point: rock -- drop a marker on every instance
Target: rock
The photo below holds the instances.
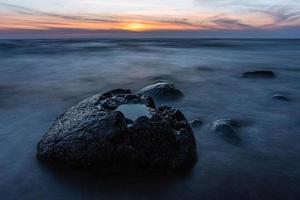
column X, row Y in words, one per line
column 259, row 74
column 97, row 133
column 196, row 123
column 161, row 91
column 280, row 97
column 226, row 127
column 129, row 121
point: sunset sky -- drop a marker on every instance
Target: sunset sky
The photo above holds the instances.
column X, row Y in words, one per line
column 157, row 18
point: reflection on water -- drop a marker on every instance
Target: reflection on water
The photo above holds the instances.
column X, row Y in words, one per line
column 134, row 111
column 40, row 79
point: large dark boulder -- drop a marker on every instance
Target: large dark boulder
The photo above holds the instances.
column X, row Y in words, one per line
column 259, row 74
column 121, row 131
column 161, row 91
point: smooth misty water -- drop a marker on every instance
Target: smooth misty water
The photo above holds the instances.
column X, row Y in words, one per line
column 40, row 79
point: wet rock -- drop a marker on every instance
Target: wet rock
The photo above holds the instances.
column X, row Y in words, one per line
column 280, row 97
column 129, row 121
column 196, row 123
column 162, row 91
column 259, row 74
column 100, row 132
column 225, row 127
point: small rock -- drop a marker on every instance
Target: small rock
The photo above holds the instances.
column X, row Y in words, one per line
column 162, row 91
column 196, row 123
column 280, row 97
column 259, row 74
column 225, row 127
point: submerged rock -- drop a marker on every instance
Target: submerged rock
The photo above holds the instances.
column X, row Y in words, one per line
column 225, row 127
column 259, row 74
column 121, row 131
column 161, row 90
column 280, row 97
column 196, row 123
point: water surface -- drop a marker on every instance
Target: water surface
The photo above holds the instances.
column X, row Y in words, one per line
column 134, row 111
column 40, row 79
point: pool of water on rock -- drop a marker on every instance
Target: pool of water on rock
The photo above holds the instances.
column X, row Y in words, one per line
column 134, row 111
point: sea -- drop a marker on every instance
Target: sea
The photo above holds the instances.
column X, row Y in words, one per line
column 40, row 79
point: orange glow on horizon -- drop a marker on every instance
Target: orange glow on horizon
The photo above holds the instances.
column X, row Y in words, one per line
column 132, row 23
column 44, row 23
column 140, row 26
column 115, row 17
column 134, row 26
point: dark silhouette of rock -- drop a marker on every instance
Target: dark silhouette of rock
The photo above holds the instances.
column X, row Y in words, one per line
column 161, row 91
column 95, row 134
column 280, row 97
column 196, row 123
column 259, row 74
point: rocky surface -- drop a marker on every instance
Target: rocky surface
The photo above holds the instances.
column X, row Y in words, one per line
column 225, row 127
column 259, row 74
column 94, row 133
column 196, row 123
column 280, row 97
column 161, row 91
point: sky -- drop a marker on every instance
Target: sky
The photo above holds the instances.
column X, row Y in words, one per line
column 149, row 18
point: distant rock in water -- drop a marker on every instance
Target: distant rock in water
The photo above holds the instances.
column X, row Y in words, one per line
column 259, row 74
column 119, row 131
column 161, row 91
column 280, row 97
column 225, row 127
column 196, row 123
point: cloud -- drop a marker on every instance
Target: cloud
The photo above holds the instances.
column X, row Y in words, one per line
column 17, row 8
column 33, row 12
column 177, row 21
column 273, row 13
column 231, row 23
column 247, row 19
column 40, row 19
column 281, row 16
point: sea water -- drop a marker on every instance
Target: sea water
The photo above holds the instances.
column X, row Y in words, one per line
column 40, row 79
